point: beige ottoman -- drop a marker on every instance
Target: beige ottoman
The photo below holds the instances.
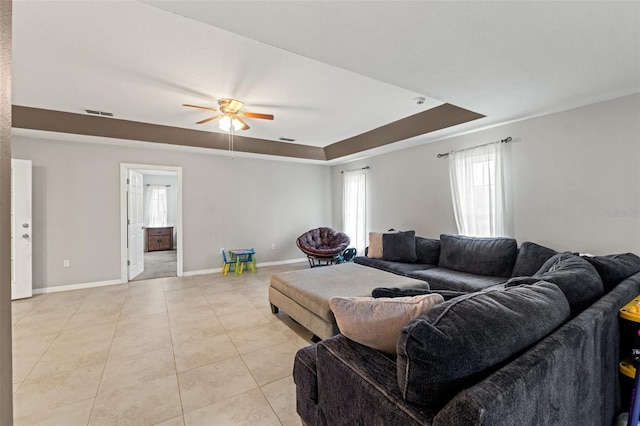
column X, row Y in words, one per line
column 304, row 295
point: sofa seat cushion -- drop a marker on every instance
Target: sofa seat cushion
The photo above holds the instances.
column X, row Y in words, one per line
column 531, row 257
column 577, row 279
column 399, row 268
column 459, row 342
column 493, row 257
column 614, row 268
column 358, row 386
column 376, row 323
column 448, row 279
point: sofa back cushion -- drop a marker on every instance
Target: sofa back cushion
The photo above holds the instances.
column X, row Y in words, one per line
column 482, row 256
column 427, row 250
column 399, row 246
column 531, row 257
column 577, row 279
column 460, row 341
column 613, row 269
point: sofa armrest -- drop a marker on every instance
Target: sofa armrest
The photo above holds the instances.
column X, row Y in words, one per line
column 305, row 378
column 570, row 377
column 358, row 385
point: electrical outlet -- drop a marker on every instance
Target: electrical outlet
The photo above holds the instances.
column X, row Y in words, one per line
column 273, row 246
column 65, row 263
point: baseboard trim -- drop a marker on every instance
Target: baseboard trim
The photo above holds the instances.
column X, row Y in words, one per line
column 70, row 287
column 202, row 272
column 283, row 262
column 82, row 286
column 259, row 265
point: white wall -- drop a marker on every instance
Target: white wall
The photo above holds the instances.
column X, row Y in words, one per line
column 230, row 203
column 576, row 177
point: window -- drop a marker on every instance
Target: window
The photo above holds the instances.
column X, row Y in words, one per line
column 354, row 208
column 480, row 190
column 155, row 206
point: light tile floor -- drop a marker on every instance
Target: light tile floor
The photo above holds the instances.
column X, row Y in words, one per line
column 201, row 350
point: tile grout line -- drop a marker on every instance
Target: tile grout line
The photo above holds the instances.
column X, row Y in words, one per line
column 104, row 367
column 173, row 351
column 248, row 289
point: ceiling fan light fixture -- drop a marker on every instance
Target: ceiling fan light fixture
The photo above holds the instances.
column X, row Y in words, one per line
column 231, row 118
column 227, row 121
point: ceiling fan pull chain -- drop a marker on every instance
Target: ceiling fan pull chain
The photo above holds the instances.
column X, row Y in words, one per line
column 231, row 142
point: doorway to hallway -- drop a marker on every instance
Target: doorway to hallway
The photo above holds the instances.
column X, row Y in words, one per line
column 151, row 221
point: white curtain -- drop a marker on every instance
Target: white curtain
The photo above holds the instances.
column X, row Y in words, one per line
column 155, row 206
column 480, row 189
column 354, row 208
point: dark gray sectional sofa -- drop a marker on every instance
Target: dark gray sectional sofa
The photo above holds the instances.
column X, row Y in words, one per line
column 540, row 347
column 456, row 262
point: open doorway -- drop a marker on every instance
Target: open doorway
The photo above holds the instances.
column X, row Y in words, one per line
column 151, row 221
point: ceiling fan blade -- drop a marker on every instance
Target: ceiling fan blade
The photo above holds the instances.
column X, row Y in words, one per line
column 199, row 107
column 206, row 120
column 245, row 126
column 257, row 115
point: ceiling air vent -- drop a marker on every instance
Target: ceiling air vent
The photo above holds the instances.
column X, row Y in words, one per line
column 102, row 113
column 287, row 140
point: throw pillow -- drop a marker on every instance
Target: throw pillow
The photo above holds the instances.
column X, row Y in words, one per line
column 393, row 246
column 375, row 245
column 493, row 257
column 377, row 322
column 461, row 341
column 404, row 292
column 578, row 280
column 399, row 246
column 614, row 268
column 531, row 257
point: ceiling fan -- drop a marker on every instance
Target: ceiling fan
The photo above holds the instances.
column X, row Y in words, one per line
column 230, row 114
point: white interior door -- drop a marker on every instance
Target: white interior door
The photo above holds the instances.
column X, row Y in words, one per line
column 135, row 251
column 21, row 233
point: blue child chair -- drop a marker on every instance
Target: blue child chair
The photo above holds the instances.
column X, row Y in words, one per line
column 226, row 263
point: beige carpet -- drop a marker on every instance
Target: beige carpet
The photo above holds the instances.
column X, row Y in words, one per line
column 158, row 264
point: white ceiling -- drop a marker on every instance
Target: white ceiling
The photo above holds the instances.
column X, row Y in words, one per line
column 326, row 70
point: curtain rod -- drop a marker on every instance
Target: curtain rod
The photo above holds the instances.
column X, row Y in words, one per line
column 168, row 186
column 506, row 140
column 353, row 170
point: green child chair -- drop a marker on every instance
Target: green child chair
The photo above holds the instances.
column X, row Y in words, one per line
column 226, row 263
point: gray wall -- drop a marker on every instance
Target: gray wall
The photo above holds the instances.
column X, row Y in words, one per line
column 230, row 203
column 576, row 178
column 576, row 182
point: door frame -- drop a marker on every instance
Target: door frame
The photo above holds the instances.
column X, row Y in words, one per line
column 135, row 223
column 124, row 171
column 21, row 251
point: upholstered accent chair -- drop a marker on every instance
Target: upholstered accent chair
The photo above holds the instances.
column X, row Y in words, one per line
column 323, row 246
